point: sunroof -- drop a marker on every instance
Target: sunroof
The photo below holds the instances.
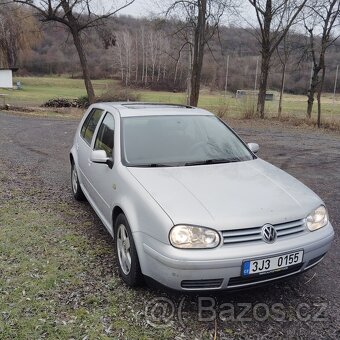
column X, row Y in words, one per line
column 154, row 105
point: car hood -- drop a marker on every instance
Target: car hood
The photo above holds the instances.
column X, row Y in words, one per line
column 233, row 195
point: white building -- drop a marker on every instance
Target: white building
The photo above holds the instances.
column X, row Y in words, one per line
column 6, row 77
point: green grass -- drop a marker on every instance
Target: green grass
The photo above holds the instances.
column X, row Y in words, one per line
column 295, row 105
column 37, row 90
column 56, row 282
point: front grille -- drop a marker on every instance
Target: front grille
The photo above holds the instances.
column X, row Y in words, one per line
column 201, row 284
column 234, row 236
column 240, row 280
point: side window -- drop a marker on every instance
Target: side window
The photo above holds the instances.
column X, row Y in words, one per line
column 105, row 136
column 91, row 121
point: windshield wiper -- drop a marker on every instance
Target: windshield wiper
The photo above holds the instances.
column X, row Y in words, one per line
column 213, row 161
column 151, row 165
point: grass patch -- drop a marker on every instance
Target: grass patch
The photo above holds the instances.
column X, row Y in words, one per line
column 56, row 282
column 37, row 90
column 293, row 105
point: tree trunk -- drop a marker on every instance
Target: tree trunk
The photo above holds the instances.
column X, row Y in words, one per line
column 279, row 111
column 312, row 90
column 176, row 68
column 74, row 28
column 198, row 52
column 136, row 58
column 265, row 59
column 84, row 65
column 146, row 67
column 159, row 69
column 319, row 94
column 143, row 54
column 263, row 83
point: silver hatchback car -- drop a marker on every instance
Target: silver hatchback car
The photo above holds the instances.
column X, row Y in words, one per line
column 188, row 203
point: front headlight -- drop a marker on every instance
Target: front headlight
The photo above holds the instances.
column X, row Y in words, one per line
column 317, row 219
column 186, row 236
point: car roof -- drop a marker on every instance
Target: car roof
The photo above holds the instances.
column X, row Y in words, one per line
column 133, row 109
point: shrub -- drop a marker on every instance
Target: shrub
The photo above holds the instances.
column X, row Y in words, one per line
column 248, row 107
column 61, row 102
column 222, row 111
column 120, row 95
column 83, row 101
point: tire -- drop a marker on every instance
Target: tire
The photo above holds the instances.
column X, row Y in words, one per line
column 127, row 258
column 75, row 185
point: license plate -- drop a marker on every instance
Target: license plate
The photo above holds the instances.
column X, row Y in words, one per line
column 271, row 264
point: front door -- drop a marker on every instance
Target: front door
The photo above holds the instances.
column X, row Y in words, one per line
column 84, row 147
column 101, row 176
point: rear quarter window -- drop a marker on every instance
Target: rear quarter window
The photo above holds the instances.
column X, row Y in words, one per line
column 90, row 124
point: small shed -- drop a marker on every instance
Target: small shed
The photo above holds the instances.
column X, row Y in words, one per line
column 6, row 77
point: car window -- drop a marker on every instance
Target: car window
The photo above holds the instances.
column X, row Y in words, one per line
column 89, row 126
column 177, row 140
column 105, row 135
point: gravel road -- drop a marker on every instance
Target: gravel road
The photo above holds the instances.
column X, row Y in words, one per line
column 309, row 304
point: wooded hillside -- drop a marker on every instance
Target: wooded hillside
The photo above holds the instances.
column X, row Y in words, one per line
column 152, row 53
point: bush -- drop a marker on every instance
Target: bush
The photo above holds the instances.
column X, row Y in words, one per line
column 162, row 85
column 222, row 111
column 121, row 95
column 61, row 102
column 248, row 106
column 83, row 101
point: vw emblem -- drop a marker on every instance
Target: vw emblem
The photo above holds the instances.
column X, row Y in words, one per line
column 269, row 233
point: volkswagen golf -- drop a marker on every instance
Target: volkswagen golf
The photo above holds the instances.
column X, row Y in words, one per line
column 188, row 203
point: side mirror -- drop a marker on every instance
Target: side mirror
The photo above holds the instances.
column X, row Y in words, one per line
column 100, row 156
column 254, row 147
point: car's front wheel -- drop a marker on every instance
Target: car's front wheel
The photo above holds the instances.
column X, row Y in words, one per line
column 128, row 263
column 76, row 189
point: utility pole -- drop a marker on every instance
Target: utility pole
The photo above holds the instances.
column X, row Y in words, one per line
column 226, row 77
column 190, row 51
column 335, row 82
column 189, row 70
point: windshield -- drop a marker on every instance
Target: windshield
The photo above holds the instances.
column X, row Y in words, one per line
column 179, row 141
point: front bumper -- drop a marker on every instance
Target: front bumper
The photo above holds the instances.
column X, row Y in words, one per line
column 220, row 268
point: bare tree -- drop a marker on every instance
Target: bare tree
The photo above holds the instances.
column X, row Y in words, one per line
column 200, row 21
column 19, row 32
column 289, row 45
column 127, row 40
column 77, row 16
column 274, row 19
column 323, row 15
column 119, row 51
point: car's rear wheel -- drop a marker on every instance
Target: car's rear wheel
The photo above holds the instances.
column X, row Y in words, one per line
column 127, row 258
column 75, row 185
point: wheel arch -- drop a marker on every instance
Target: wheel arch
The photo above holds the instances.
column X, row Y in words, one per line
column 117, row 210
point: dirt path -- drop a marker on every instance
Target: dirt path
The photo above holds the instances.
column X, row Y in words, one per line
column 34, row 171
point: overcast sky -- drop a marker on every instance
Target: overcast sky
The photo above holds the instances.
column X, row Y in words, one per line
column 137, row 9
column 149, row 8
column 142, row 8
